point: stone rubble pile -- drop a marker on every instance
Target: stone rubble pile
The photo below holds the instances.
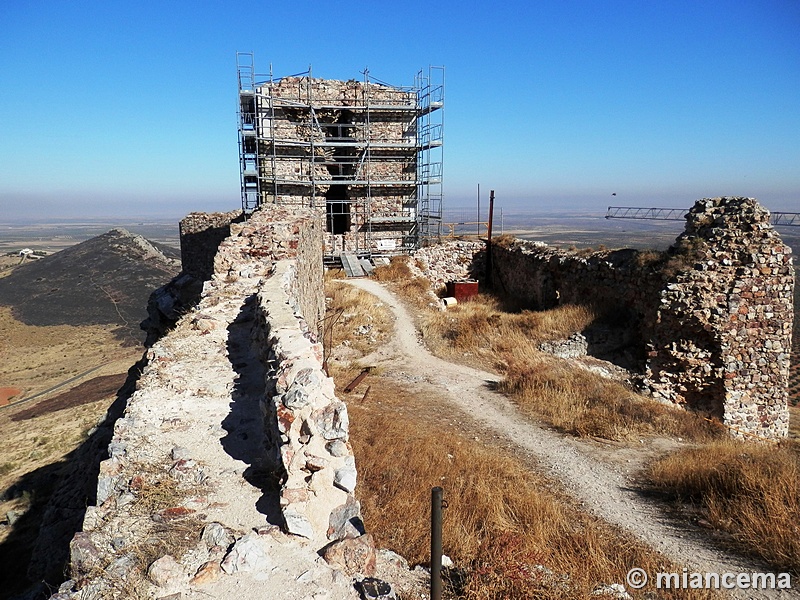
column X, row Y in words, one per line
column 452, row 260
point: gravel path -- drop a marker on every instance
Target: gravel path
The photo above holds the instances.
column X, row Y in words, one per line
column 601, row 489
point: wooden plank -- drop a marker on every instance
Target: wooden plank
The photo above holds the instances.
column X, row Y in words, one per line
column 367, row 266
column 351, row 265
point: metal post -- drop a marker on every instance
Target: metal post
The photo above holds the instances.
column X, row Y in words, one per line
column 478, row 220
column 436, row 543
column 489, row 241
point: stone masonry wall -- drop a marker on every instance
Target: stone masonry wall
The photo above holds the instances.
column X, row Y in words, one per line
column 709, row 324
column 234, row 392
column 723, row 332
column 200, row 235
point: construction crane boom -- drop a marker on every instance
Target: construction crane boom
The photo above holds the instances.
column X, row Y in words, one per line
column 782, row 219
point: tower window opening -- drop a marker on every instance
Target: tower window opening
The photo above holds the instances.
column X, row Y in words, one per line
column 337, row 210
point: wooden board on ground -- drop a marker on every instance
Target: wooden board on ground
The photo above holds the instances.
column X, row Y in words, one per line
column 351, row 265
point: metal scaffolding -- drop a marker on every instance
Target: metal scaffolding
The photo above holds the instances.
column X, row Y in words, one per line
column 369, row 154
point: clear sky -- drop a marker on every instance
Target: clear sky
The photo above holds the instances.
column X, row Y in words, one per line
column 130, row 107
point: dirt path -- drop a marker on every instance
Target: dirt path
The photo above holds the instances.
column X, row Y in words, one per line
column 603, row 490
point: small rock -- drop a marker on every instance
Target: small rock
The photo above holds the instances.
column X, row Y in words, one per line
column 183, row 469
column 180, row 453
column 352, row 555
column 337, row 448
column 375, row 589
column 614, row 590
column 293, row 496
column 345, row 520
column 315, row 463
column 296, row 398
column 165, row 572
column 214, row 534
column 447, row 562
column 207, row 573
column 345, row 477
column 247, row 554
column 332, row 421
column 393, row 558
column 13, row 516
column 121, row 567
column 297, row 523
column 118, row 543
column 84, row 555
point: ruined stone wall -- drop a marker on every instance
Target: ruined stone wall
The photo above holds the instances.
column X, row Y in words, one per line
column 306, row 425
column 724, row 326
column 452, row 260
column 281, row 233
column 200, row 235
column 235, row 391
column 710, row 323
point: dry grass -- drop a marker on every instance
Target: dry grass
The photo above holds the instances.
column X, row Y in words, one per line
column 751, row 491
column 679, row 258
column 502, row 519
column 584, row 404
column 396, row 270
column 175, row 535
column 354, row 317
column 556, row 391
column 416, row 290
column 483, row 328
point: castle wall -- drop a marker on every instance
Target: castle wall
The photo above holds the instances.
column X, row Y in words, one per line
column 200, row 235
column 235, row 390
column 723, row 333
column 709, row 324
column 713, row 323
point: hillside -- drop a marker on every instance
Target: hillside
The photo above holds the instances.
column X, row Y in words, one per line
column 69, row 332
column 105, row 280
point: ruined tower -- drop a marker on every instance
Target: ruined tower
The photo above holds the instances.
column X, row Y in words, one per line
column 366, row 153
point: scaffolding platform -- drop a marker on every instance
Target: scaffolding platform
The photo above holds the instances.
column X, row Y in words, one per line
column 367, row 154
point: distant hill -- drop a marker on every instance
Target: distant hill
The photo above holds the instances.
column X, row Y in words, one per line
column 105, row 280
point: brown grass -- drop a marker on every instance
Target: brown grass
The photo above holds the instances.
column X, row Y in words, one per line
column 396, row 270
column 416, row 290
column 511, row 533
column 584, row 404
column 354, row 317
column 482, row 327
column 556, row 391
column 502, row 519
column 751, row 491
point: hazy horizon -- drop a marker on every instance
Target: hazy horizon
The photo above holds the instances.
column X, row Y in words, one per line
column 127, row 110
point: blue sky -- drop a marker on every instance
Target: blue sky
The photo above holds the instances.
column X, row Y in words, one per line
column 130, row 108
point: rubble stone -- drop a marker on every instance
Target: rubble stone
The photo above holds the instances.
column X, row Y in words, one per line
column 352, row 555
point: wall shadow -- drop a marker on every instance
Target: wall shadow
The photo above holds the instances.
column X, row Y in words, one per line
column 35, row 555
column 245, row 439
